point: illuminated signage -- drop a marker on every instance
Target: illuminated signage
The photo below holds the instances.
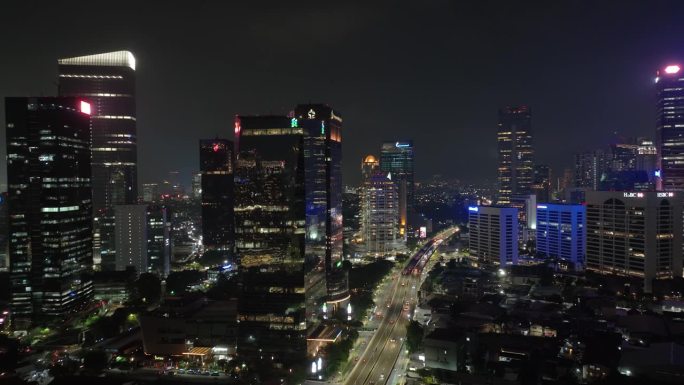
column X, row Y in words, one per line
column 401, row 145
column 322, row 127
column 665, row 194
column 633, row 195
column 85, row 107
column 423, row 232
column 216, row 147
column 657, row 173
column 312, row 114
column 293, row 123
column 542, row 207
column 473, row 209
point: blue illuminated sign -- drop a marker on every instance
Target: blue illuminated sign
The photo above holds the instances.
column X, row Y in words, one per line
column 657, row 173
column 401, row 145
column 542, row 207
column 473, row 209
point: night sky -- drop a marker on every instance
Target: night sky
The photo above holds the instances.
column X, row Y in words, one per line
column 433, row 71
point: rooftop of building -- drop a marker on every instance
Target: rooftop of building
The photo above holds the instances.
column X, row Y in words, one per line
column 107, row 59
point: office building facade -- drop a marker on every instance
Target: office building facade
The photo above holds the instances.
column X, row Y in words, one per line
column 561, row 234
column 369, row 166
column 590, row 167
column 541, row 186
column 217, row 163
column 131, row 237
column 515, row 153
column 670, row 127
column 150, row 192
column 380, row 214
column 288, row 219
column 494, row 234
column 159, row 239
column 108, row 81
column 49, row 206
column 397, row 160
column 635, row 234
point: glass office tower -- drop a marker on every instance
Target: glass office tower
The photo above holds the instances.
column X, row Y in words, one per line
column 50, row 208
column 108, row 81
column 670, row 127
column 217, row 159
column 288, row 219
column 516, row 154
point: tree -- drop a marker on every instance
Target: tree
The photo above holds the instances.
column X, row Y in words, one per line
column 148, row 288
column 414, row 336
column 95, row 360
column 177, row 282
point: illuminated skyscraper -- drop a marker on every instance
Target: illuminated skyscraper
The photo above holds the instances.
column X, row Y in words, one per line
column 288, row 216
column 397, row 159
column 670, row 127
column 369, row 166
column 590, row 166
column 131, row 237
column 150, row 192
column 516, row 154
column 49, row 202
column 380, row 214
column 542, row 183
column 158, row 239
column 217, row 160
column 108, row 80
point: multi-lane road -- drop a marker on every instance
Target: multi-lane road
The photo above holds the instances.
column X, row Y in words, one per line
column 376, row 362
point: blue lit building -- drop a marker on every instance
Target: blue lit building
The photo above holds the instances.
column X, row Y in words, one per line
column 494, row 234
column 561, row 234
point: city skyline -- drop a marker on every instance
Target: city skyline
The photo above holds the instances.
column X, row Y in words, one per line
column 600, row 89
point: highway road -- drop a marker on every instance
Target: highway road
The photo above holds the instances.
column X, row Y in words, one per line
column 376, row 362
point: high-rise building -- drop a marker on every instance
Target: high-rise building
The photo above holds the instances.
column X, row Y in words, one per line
column 158, row 239
column 369, row 166
column 4, row 232
column 150, row 192
column 561, row 234
column 288, row 217
column 49, row 203
column 635, row 234
column 380, row 214
column 590, row 166
column 197, row 186
column 108, row 81
column 217, row 162
column 670, row 127
column 541, row 185
column 516, row 154
column 396, row 159
column 647, row 158
column 131, row 237
column 494, row 234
